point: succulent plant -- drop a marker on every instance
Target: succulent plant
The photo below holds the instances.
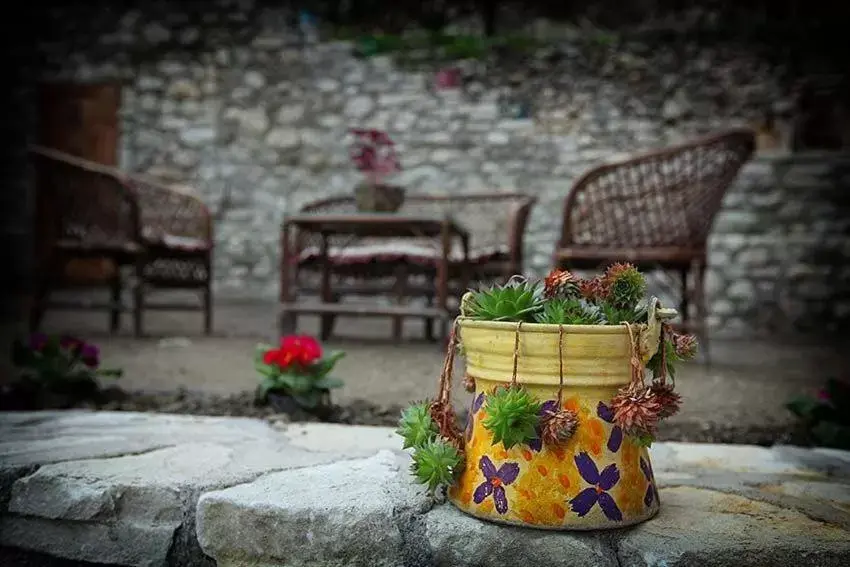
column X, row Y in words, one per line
column 435, row 463
column 626, row 285
column 593, row 289
column 572, row 311
column 416, row 426
column 618, row 315
column 560, row 284
column 518, row 300
column 512, row 416
column 678, row 348
column 559, row 427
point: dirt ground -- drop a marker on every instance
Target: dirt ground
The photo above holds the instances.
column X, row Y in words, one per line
column 747, row 383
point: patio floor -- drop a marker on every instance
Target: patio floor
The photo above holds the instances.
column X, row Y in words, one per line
column 747, row 382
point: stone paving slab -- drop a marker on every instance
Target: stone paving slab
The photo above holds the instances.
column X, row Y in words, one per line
column 160, row 490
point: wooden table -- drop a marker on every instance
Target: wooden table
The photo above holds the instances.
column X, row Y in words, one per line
column 374, row 226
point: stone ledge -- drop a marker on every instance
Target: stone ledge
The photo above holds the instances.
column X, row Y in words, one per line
column 130, row 487
column 714, row 513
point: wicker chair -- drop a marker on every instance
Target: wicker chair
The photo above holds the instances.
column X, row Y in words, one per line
column 656, row 211
column 98, row 212
column 367, row 266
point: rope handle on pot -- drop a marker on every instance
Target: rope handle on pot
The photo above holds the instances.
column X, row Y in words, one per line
column 516, row 353
column 560, row 366
column 445, row 381
column 634, row 357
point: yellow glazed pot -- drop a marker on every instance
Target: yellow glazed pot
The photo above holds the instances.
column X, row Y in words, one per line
column 600, row 478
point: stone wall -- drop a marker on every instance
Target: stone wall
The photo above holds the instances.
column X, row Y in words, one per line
column 230, row 102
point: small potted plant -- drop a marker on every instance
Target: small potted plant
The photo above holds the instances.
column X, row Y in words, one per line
column 825, row 418
column 296, row 375
column 373, row 154
column 562, row 412
column 56, row 372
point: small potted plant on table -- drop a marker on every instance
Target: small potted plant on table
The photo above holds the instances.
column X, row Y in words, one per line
column 296, row 375
column 562, row 412
column 373, row 153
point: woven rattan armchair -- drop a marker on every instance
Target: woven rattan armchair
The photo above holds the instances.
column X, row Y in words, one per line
column 90, row 211
column 656, row 211
column 406, row 268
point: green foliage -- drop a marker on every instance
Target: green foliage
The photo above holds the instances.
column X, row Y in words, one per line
column 827, row 416
column 435, row 463
column 614, row 315
column 518, row 300
column 644, row 440
column 571, row 311
column 306, row 385
column 626, row 285
column 512, row 416
column 672, row 359
column 416, row 426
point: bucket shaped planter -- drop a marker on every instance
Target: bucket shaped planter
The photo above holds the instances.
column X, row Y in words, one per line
column 561, row 415
column 599, row 478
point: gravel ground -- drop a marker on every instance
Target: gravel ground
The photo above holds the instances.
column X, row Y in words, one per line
column 738, row 398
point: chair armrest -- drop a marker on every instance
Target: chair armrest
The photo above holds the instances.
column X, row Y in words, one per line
column 170, row 212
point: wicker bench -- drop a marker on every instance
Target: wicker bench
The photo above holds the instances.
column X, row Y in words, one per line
column 405, row 269
column 656, row 211
column 90, row 211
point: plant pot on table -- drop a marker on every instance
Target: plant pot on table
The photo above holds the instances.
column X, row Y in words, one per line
column 378, row 197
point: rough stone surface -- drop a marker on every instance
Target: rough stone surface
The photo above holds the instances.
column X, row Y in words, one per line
column 239, row 493
column 122, row 488
column 231, row 103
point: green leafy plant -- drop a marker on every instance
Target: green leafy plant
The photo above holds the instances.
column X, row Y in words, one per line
column 518, row 300
column 297, row 369
column 513, row 416
column 826, row 417
column 435, row 464
column 63, row 369
column 571, row 311
column 626, row 286
column 614, row 315
column 416, row 426
column 678, row 348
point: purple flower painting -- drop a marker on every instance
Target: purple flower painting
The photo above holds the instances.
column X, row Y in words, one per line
column 477, row 402
column 651, row 490
column 616, row 439
column 536, row 444
column 598, row 493
column 495, row 482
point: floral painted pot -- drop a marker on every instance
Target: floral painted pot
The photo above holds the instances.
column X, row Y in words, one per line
column 600, row 478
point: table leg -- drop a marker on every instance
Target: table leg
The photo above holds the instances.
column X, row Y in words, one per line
column 400, row 291
column 327, row 319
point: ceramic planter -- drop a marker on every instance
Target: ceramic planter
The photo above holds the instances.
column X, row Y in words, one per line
column 600, row 478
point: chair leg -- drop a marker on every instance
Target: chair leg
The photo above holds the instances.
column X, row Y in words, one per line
column 139, row 299
column 684, row 303
column 287, row 323
column 429, row 321
column 115, row 289
column 701, row 311
column 328, row 320
column 208, row 309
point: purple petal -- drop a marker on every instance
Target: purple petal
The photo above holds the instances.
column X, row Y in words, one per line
column 604, row 412
column 606, row 502
column 501, row 500
column 478, row 402
column 508, row 472
column 644, row 466
column 536, row 444
column 587, row 468
column 609, row 477
column 616, row 439
column 548, row 407
column 90, row 355
column 484, row 490
column 487, row 467
column 649, row 496
column 584, row 501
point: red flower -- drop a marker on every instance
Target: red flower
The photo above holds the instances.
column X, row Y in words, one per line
column 302, row 350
